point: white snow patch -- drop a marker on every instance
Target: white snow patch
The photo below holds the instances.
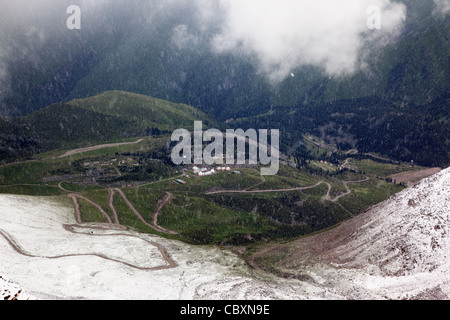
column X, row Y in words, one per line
column 35, row 225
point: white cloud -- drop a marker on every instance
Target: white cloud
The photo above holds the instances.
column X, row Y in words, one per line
column 280, row 35
column 442, row 6
column 287, row 34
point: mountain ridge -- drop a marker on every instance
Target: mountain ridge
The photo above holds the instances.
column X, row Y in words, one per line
column 391, row 98
column 412, row 68
column 111, row 116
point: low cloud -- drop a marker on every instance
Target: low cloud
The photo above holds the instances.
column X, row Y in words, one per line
column 278, row 36
column 442, row 7
column 287, row 34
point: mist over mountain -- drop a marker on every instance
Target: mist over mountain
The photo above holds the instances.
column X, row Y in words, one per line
column 233, row 59
column 226, row 56
column 91, row 91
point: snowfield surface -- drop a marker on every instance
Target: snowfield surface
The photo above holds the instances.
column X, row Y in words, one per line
column 399, row 249
column 46, row 260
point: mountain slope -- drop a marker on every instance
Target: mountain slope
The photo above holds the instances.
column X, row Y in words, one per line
column 400, row 248
column 411, row 68
column 386, row 107
column 112, row 115
column 106, row 117
column 17, row 141
column 144, row 111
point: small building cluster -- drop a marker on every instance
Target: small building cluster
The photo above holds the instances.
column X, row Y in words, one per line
column 326, row 162
column 207, row 173
column 202, row 172
column 223, row 169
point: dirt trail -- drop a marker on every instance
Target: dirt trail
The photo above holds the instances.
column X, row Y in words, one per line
column 132, row 208
column 63, row 189
column 326, row 197
column 76, row 205
column 111, row 193
column 162, row 250
column 263, row 180
column 348, row 191
column 163, row 202
column 108, row 226
column 75, row 151
column 322, row 144
column 266, row 191
column 111, row 205
column 381, row 158
column 71, row 228
column 76, row 196
column 97, row 147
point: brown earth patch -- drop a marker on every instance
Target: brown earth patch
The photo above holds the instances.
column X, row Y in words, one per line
column 412, row 177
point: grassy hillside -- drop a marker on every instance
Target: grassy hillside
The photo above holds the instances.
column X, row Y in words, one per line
column 72, row 125
column 143, row 112
column 17, row 141
column 112, row 116
column 228, row 208
column 385, row 108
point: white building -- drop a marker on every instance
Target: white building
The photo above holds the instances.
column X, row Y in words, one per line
column 206, row 173
column 223, row 169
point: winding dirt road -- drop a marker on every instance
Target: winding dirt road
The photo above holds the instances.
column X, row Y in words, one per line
column 111, row 193
column 265, row 191
column 162, row 203
column 71, row 228
column 97, row 147
column 75, row 151
column 348, row 191
column 154, row 226
column 109, row 225
column 325, row 197
column 76, row 196
column 111, row 205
